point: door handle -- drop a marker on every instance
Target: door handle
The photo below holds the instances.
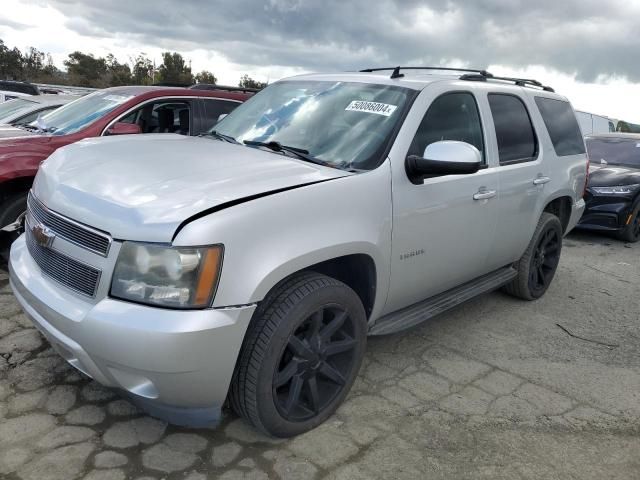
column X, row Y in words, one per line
column 541, row 180
column 484, row 194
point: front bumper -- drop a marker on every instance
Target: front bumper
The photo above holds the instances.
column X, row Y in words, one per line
column 175, row 364
column 606, row 213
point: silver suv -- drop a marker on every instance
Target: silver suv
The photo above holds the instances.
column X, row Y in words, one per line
column 251, row 264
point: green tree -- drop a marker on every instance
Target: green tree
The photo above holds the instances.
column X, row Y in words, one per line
column 117, row 73
column 247, row 82
column 86, row 70
column 623, row 127
column 10, row 62
column 33, row 64
column 142, row 70
column 206, row 76
column 174, row 69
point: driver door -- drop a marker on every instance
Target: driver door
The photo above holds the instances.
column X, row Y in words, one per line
column 443, row 229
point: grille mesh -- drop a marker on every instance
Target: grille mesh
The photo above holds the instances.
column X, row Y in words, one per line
column 65, row 270
column 78, row 234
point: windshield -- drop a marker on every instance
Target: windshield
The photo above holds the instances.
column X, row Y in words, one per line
column 615, row 151
column 7, row 109
column 78, row 114
column 346, row 125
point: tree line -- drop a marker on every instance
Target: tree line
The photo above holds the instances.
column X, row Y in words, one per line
column 86, row 70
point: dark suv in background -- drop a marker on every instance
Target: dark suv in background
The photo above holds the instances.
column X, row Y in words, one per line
column 613, row 194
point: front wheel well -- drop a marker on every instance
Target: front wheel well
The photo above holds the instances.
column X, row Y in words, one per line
column 358, row 271
column 561, row 208
column 15, row 186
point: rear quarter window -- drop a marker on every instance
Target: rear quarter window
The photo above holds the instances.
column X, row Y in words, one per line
column 562, row 126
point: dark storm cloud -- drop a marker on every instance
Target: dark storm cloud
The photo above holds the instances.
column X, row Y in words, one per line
column 585, row 37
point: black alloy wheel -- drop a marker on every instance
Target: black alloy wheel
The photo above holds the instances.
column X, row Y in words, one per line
column 300, row 356
column 317, row 359
column 544, row 261
column 537, row 266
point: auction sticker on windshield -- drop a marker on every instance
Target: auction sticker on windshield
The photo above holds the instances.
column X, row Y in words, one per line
column 371, row 107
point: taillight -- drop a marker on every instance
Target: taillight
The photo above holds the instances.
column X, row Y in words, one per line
column 586, row 179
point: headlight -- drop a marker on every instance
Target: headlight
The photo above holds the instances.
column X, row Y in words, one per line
column 616, row 190
column 176, row 277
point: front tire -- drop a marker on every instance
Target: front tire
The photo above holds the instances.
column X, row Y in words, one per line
column 631, row 232
column 301, row 355
column 12, row 207
column 538, row 265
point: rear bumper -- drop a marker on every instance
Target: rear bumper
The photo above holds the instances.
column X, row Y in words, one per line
column 576, row 212
column 175, row 364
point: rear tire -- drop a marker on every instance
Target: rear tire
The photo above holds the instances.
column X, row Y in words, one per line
column 538, row 265
column 300, row 356
column 12, row 207
column 631, row 232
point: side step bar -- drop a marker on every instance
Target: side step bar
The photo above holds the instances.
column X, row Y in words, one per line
column 426, row 309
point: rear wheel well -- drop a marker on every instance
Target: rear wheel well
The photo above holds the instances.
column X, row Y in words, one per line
column 561, row 208
column 357, row 271
column 15, row 186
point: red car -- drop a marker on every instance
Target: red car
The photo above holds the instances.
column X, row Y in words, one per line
column 113, row 111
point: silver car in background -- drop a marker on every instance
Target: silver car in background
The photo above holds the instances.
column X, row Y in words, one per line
column 25, row 110
column 251, row 263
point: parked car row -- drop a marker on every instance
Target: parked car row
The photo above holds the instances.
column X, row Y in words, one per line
column 246, row 260
column 10, row 90
column 113, row 111
column 25, row 110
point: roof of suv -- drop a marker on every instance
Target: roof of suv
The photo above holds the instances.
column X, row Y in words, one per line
column 418, row 79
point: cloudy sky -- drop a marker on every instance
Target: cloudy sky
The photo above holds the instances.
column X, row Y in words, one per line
column 589, row 50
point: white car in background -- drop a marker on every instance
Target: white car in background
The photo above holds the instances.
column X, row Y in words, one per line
column 592, row 124
column 27, row 108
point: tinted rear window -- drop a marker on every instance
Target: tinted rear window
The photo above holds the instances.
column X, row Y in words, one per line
column 562, row 126
column 514, row 131
column 614, row 151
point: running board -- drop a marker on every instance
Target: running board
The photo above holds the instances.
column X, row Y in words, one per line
column 419, row 312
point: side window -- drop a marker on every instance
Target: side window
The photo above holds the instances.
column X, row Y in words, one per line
column 562, row 126
column 516, row 137
column 452, row 116
column 213, row 109
column 167, row 116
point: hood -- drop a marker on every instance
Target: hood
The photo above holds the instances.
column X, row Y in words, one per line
column 608, row 176
column 142, row 187
column 9, row 131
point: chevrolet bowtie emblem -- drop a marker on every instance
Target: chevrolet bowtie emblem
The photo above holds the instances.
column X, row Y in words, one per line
column 44, row 236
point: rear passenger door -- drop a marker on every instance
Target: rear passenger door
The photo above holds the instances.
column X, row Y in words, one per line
column 522, row 175
column 210, row 109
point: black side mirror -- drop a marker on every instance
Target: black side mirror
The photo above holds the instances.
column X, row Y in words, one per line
column 443, row 158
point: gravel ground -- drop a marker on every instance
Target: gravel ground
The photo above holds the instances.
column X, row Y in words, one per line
column 494, row 389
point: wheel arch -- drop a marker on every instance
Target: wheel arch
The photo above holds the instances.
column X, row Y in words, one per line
column 15, row 185
column 561, row 208
column 353, row 267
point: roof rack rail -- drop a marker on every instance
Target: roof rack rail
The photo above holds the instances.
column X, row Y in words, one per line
column 396, row 70
column 212, row 86
column 521, row 82
column 470, row 74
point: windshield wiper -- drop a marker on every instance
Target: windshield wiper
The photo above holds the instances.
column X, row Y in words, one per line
column 220, row 136
column 301, row 153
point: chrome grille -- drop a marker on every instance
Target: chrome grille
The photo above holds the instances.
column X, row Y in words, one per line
column 69, row 272
column 74, row 232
